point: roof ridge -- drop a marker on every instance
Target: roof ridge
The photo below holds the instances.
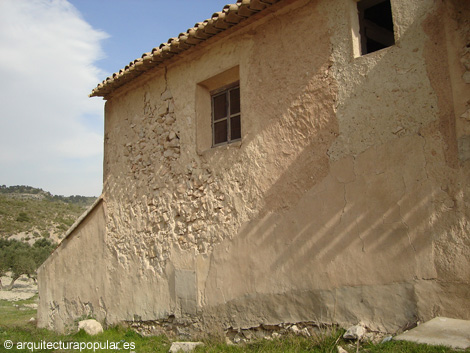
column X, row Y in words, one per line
column 231, row 15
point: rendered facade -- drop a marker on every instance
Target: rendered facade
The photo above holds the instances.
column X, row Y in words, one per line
column 338, row 192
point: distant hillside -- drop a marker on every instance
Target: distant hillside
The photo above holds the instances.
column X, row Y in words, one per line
column 28, row 192
column 29, row 214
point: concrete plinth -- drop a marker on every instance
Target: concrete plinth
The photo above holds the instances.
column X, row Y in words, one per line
column 440, row 331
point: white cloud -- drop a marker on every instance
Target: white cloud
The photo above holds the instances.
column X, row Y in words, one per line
column 51, row 132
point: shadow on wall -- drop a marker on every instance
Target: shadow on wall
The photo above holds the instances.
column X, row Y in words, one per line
column 363, row 209
column 342, row 175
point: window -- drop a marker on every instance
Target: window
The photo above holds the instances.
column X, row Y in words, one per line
column 376, row 25
column 219, row 94
column 226, row 123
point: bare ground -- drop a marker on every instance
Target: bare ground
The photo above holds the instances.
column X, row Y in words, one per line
column 24, row 288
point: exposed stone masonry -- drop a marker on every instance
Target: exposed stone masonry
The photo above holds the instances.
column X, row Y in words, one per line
column 173, row 329
column 184, row 205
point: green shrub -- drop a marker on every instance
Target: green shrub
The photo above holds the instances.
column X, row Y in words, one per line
column 21, row 258
column 22, row 217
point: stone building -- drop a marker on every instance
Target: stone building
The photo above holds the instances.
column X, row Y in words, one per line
column 284, row 161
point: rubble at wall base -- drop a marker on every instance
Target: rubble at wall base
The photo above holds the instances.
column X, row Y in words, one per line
column 193, row 330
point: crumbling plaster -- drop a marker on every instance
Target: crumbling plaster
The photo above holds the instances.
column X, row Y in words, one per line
column 346, row 199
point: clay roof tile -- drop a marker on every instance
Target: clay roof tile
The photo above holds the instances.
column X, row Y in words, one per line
column 257, row 5
column 231, row 15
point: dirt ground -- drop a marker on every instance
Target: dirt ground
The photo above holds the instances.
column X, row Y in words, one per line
column 24, row 288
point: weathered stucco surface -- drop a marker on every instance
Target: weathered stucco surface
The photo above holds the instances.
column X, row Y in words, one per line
column 82, row 267
column 347, row 199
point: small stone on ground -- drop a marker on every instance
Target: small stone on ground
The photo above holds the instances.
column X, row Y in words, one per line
column 355, row 332
column 184, row 346
column 91, row 326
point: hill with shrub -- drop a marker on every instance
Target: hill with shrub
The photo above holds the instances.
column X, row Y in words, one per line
column 32, row 222
column 29, row 214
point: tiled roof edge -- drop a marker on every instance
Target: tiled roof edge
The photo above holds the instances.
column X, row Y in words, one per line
column 230, row 16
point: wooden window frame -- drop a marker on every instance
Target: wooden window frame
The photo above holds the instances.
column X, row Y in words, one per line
column 225, row 90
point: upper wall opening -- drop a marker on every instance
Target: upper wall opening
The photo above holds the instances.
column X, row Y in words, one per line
column 375, row 25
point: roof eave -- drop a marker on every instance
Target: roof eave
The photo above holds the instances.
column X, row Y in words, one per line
column 230, row 16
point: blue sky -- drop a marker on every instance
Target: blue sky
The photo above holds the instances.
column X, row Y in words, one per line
column 137, row 26
column 52, row 54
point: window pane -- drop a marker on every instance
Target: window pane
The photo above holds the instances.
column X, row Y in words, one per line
column 235, row 128
column 220, row 132
column 220, row 106
column 235, row 101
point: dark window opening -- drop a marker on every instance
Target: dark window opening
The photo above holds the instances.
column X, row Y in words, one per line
column 226, row 117
column 376, row 25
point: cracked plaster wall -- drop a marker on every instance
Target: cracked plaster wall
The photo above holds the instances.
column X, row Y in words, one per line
column 346, row 200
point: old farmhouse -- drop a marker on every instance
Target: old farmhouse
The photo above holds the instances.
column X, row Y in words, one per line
column 284, row 161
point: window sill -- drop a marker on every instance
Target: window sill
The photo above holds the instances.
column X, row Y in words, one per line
column 221, row 148
column 378, row 53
